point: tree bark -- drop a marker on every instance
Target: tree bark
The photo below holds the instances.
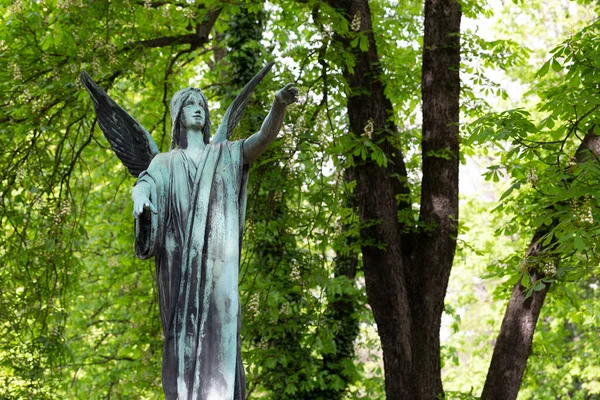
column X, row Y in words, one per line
column 406, row 274
column 431, row 260
column 376, row 192
column 513, row 345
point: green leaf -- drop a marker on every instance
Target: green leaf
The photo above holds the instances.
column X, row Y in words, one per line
column 579, row 243
column 544, row 70
column 512, row 187
column 47, row 42
column 364, row 44
column 539, row 285
column 526, row 280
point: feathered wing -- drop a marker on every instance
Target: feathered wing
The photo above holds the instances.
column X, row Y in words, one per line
column 234, row 113
column 129, row 140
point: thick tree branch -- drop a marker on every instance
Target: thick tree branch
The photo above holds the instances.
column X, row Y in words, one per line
column 432, row 256
column 157, row 4
column 440, row 91
column 195, row 40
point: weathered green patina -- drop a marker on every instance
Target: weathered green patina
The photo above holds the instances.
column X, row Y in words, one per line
column 189, row 205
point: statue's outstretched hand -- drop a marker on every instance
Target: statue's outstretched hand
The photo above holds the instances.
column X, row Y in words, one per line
column 287, row 95
column 141, row 203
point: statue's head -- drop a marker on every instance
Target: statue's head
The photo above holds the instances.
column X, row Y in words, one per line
column 178, row 117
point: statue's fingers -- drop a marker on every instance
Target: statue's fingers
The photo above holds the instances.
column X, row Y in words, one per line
column 153, row 209
column 289, row 85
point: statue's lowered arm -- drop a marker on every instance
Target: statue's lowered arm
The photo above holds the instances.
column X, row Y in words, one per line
column 141, row 199
column 257, row 143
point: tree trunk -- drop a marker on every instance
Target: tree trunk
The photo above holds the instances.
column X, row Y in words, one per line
column 513, row 345
column 406, row 274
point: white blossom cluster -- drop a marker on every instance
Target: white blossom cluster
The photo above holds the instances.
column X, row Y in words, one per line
column 16, row 71
column 112, row 54
column 549, row 269
column 26, row 95
column 252, row 307
column 138, row 66
column 355, row 24
column 582, row 212
column 36, row 105
column 190, row 13
column 295, row 272
column 532, row 177
column 61, row 214
column 285, row 308
column 16, row 7
column 96, row 65
column 66, row 4
column 369, row 128
column 166, row 11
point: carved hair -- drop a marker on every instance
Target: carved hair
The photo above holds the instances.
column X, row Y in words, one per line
column 177, row 128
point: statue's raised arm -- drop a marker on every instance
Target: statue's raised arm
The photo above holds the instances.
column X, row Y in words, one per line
column 257, row 143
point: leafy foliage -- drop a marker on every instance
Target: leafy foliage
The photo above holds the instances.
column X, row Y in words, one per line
column 555, row 178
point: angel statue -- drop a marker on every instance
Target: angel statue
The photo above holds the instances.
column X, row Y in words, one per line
column 189, row 207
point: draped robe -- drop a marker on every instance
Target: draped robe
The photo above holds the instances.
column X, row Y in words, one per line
column 196, row 241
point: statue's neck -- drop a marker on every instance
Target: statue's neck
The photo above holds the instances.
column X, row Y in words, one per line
column 195, row 141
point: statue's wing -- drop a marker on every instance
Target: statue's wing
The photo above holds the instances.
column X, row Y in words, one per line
column 130, row 141
column 234, row 113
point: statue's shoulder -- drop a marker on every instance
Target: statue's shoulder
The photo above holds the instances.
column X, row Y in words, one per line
column 161, row 161
column 165, row 158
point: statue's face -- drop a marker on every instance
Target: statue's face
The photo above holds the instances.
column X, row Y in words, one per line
column 193, row 116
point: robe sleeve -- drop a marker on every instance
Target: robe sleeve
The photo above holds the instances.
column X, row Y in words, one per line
column 146, row 226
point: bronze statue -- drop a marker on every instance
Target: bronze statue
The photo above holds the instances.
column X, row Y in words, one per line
column 189, row 207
